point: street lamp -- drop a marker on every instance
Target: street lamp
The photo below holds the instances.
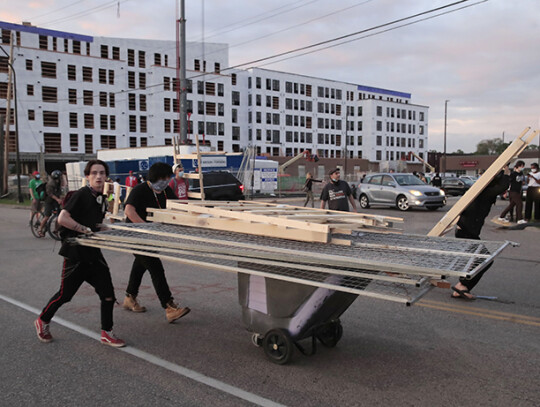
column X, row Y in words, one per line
column 444, row 150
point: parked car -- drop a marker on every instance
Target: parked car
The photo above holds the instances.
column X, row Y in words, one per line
column 400, row 190
column 456, row 186
column 219, row 186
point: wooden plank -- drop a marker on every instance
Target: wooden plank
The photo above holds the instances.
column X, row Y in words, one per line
column 512, row 151
column 192, row 175
column 194, row 195
column 254, row 218
column 235, row 225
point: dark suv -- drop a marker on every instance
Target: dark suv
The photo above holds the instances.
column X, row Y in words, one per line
column 219, row 186
column 456, row 186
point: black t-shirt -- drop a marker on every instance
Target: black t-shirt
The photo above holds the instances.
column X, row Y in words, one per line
column 88, row 210
column 337, row 195
column 436, row 181
column 516, row 181
column 142, row 197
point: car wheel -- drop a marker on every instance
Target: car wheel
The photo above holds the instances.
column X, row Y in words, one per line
column 402, row 203
column 364, row 201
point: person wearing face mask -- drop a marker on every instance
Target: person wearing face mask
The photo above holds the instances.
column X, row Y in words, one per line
column 514, row 194
column 337, row 193
column 178, row 184
column 35, row 195
column 533, row 194
column 151, row 194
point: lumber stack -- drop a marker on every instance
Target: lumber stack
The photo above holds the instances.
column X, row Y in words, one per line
column 273, row 220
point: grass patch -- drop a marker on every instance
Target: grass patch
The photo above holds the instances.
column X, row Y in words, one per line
column 10, row 201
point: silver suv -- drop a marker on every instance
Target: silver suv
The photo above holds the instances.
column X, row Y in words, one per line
column 400, row 190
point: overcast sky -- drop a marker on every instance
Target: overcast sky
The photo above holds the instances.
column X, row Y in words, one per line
column 484, row 59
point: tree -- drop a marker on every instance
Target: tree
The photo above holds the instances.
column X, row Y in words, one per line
column 491, row 147
column 459, row 151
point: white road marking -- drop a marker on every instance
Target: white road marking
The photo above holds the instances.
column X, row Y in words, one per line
column 180, row 370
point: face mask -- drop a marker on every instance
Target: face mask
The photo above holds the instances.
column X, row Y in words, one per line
column 38, row 176
column 335, row 181
column 159, row 186
column 534, row 169
column 180, row 174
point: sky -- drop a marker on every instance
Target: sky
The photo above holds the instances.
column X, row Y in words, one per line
column 483, row 56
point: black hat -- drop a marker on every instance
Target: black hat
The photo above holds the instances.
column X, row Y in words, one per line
column 333, row 171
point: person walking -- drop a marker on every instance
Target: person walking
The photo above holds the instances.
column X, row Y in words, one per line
column 151, row 194
column 533, row 194
column 470, row 224
column 514, row 194
column 336, row 193
column 83, row 214
column 436, row 181
column 178, row 184
column 35, row 195
column 131, row 180
column 53, row 200
column 308, row 189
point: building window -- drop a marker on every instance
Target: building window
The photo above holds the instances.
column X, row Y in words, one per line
column 72, row 73
column 30, row 90
column 108, row 141
column 142, row 103
column 111, row 77
column 210, row 88
column 43, row 42
column 48, row 69
column 73, row 120
column 104, row 51
column 31, row 115
column 131, row 57
column 142, row 80
column 49, row 94
column 142, row 59
column 111, row 99
column 74, row 142
column 88, row 121
column 29, row 64
column 50, row 119
column 197, row 65
column 53, row 142
column 133, row 124
column 115, row 53
column 233, row 79
column 87, row 74
column 76, row 47
column 217, row 68
column 167, row 104
column 131, row 80
column 143, row 124
column 103, row 122
column 235, row 98
column 144, row 141
column 103, row 99
column 88, row 144
column 88, row 97
column 102, row 75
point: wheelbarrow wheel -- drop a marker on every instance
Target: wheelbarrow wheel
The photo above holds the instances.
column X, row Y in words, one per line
column 278, row 346
column 330, row 334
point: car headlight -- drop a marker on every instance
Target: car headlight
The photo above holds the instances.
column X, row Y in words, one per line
column 415, row 192
column 441, row 192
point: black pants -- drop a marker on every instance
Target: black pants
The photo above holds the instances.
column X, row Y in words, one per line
column 157, row 273
column 533, row 197
column 470, row 283
column 74, row 273
column 515, row 200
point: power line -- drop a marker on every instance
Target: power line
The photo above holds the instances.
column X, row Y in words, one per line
column 349, row 35
column 86, row 12
column 55, row 10
column 263, row 16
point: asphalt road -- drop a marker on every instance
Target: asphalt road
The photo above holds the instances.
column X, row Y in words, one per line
column 438, row 352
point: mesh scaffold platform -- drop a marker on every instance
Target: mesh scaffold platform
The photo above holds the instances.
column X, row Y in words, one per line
column 396, row 267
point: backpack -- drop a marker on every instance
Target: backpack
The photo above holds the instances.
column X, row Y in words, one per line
column 40, row 189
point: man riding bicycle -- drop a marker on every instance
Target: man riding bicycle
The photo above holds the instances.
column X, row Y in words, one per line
column 53, row 200
column 35, row 194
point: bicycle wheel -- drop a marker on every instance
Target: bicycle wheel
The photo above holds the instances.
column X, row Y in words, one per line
column 53, row 227
column 35, row 223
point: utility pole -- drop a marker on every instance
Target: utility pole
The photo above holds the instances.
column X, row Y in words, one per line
column 8, row 119
column 181, row 93
column 444, row 151
column 345, row 146
column 2, row 183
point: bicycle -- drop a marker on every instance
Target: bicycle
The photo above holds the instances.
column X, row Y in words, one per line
column 51, row 227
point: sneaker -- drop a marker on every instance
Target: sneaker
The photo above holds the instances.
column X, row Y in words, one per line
column 42, row 330
column 521, row 222
column 130, row 303
column 502, row 220
column 174, row 312
column 108, row 338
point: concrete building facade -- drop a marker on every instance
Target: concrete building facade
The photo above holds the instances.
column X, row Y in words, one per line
column 78, row 94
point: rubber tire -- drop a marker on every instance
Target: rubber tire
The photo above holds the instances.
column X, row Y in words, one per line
column 35, row 218
column 364, row 201
column 402, row 203
column 52, row 225
column 278, row 346
column 330, row 334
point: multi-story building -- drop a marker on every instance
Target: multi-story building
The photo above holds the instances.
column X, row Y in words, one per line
column 77, row 94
